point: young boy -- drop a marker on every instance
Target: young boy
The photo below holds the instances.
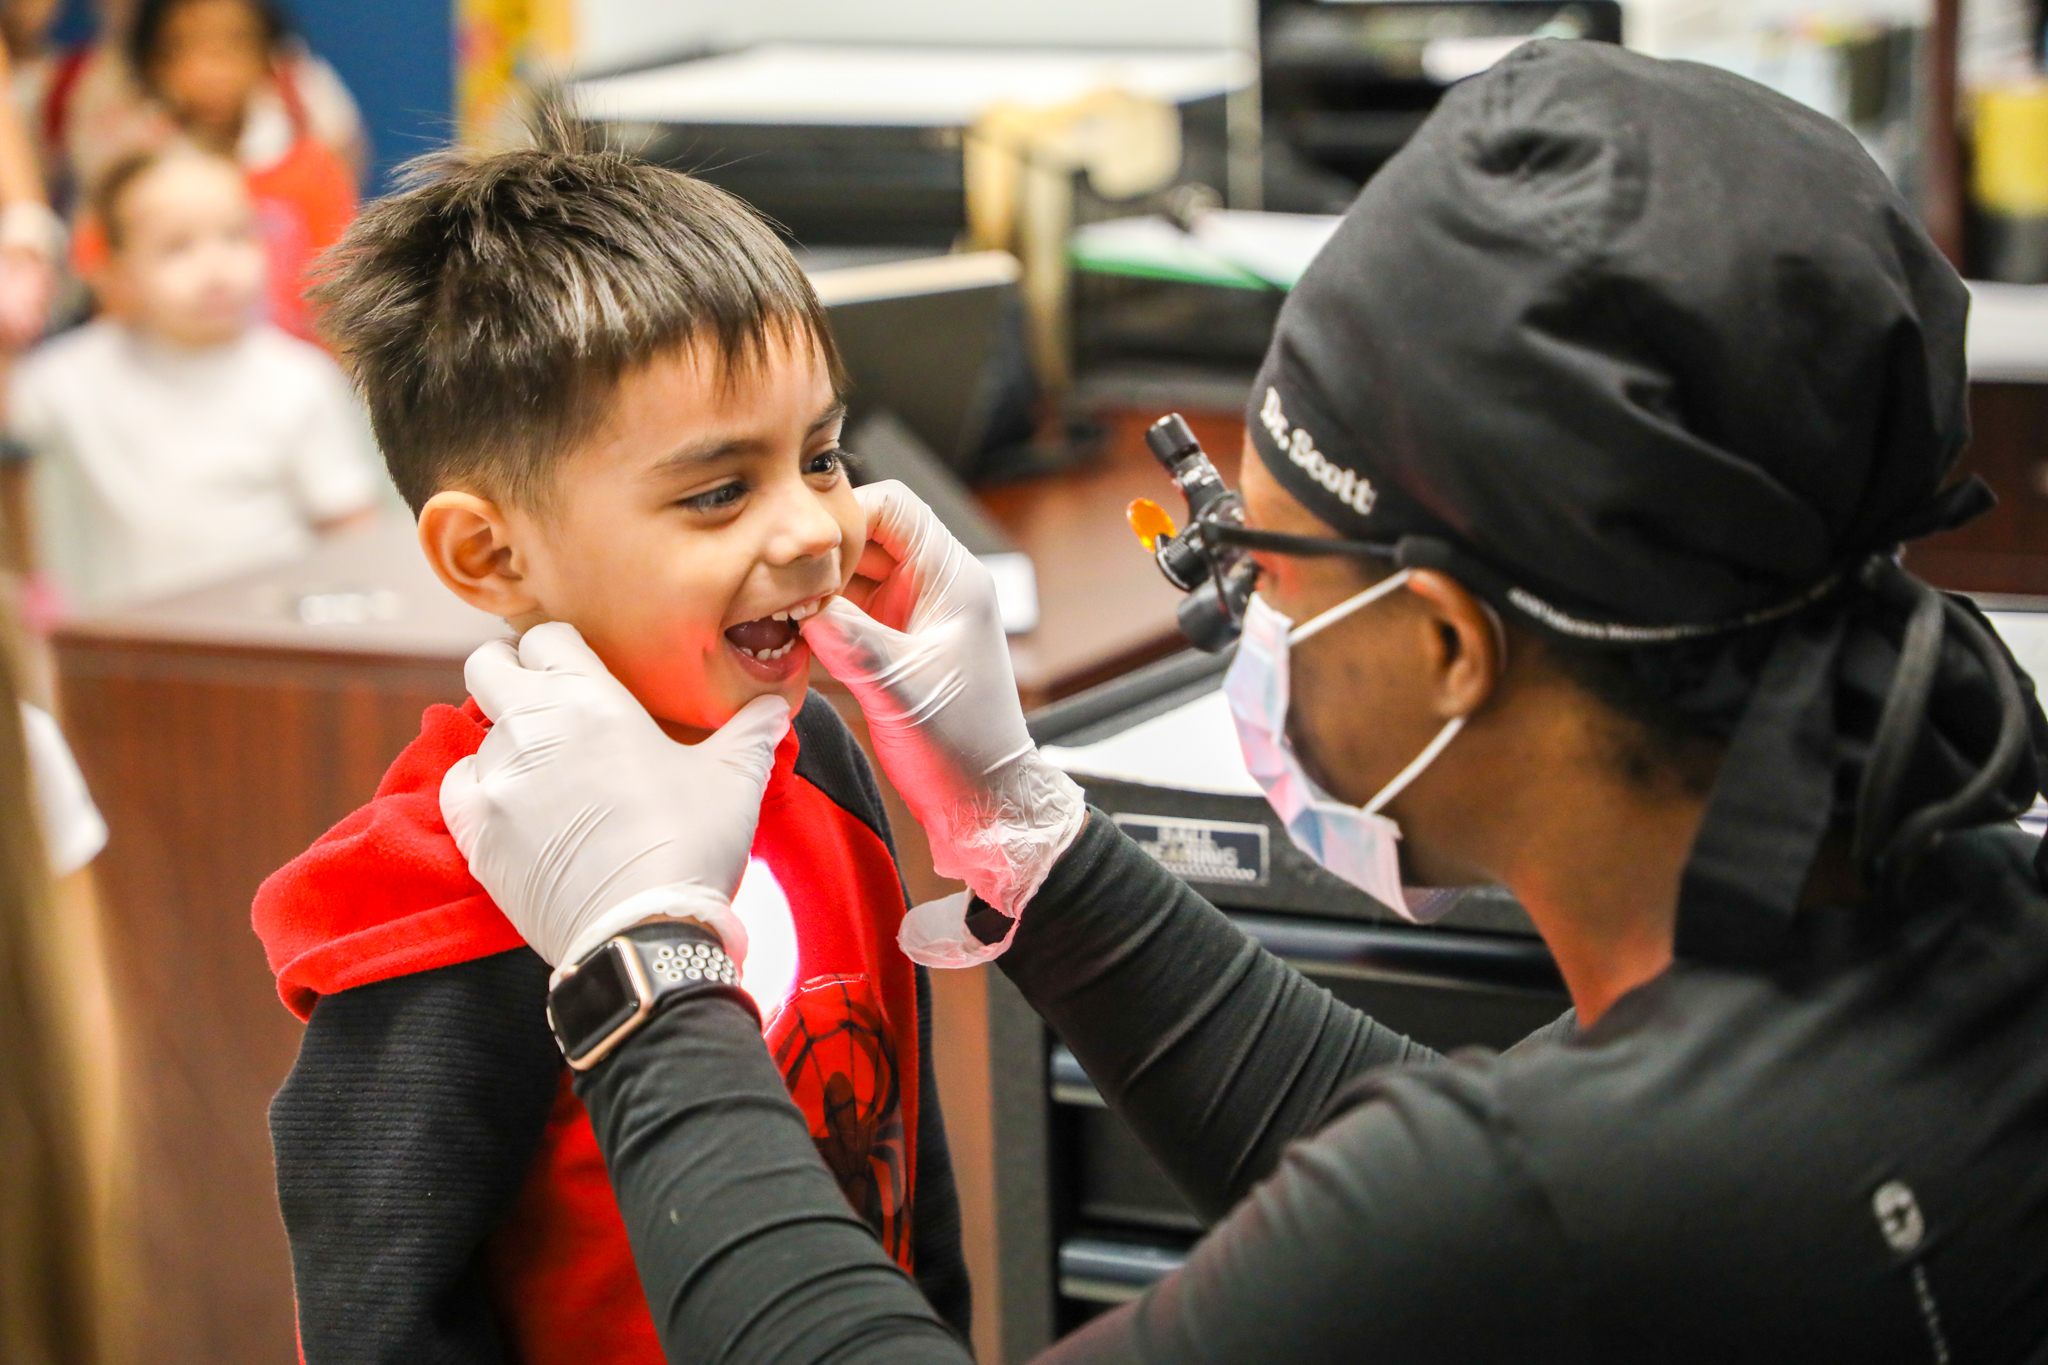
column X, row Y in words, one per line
column 608, row 391
column 176, row 439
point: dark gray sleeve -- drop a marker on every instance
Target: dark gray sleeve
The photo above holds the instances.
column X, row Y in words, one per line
column 1215, row 1052
column 402, row 1137
column 1405, row 1231
column 746, row 1247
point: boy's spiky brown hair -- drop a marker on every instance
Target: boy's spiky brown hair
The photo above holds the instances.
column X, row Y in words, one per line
column 487, row 310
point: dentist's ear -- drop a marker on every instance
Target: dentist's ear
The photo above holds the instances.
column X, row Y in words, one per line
column 469, row 541
column 1470, row 643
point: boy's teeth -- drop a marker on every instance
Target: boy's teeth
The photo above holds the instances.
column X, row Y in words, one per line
column 801, row 611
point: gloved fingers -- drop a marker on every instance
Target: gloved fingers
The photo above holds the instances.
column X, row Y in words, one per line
column 900, row 522
column 558, row 647
column 747, row 742
column 854, row 647
column 876, row 563
column 935, row 576
column 876, row 571
column 495, row 677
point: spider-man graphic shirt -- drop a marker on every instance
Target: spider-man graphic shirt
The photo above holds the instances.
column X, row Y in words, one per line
column 385, row 895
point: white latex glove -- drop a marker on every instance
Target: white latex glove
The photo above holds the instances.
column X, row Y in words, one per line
column 931, row 669
column 582, row 819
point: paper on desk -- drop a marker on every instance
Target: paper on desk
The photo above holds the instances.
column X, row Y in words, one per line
column 1190, row 748
column 1241, row 250
column 1277, row 247
column 1151, row 247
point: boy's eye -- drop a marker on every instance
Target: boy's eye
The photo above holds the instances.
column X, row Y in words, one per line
column 826, row 462
column 720, row 497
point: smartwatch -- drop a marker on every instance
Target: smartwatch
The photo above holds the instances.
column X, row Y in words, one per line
column 602, row 1000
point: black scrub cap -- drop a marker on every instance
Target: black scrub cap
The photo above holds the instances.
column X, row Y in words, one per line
column 1644, row 352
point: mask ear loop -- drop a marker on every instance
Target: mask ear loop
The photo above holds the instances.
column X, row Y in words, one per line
column 1356, row 602
column 1451, row 728
column 1415, row 769
column 1443, row 736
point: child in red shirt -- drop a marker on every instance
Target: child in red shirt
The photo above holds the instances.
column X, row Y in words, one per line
column 609, row 393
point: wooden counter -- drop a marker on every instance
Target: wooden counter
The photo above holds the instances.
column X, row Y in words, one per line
column 1106, row 609
column 220, row 733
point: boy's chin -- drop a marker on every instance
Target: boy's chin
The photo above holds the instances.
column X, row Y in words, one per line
column 691, row 724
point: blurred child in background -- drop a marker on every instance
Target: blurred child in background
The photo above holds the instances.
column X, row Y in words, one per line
column 31, row 236
column 227, row 76
column 31, row 248
column 39, row 69
column 177, row 439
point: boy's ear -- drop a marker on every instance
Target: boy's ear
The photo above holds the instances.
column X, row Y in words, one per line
column 469, row 542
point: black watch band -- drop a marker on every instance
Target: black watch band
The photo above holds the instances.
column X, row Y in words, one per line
column 602, row 1000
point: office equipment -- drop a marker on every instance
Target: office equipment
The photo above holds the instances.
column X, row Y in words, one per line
column 863, row 144
column 900, row 145
column 1345, row 84
column 917, row 331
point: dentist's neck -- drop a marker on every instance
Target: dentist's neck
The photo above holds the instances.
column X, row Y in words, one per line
column 1534, row 796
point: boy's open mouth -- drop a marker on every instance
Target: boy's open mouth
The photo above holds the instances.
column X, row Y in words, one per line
column 773, row 636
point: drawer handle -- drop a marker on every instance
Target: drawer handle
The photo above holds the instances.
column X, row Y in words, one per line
column 1098, row 1270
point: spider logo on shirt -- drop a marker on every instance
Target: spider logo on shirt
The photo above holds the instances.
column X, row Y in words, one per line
column 831, row 1042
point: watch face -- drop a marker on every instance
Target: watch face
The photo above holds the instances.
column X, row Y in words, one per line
column 586, row 1008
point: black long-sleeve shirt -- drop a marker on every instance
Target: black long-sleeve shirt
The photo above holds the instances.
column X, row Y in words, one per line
column 1844, row 1158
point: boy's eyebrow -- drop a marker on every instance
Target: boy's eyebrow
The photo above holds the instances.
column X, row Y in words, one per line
column 835, row 413
column 704, row 452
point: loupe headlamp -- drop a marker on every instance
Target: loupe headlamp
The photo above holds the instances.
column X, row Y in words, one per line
column 1210, row 559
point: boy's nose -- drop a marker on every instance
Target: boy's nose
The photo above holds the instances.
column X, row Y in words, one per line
column 805, row 529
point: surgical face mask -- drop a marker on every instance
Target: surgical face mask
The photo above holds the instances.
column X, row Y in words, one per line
column 1355, row 843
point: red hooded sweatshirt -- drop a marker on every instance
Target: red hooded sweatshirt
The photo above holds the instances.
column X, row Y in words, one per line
column 385, row 893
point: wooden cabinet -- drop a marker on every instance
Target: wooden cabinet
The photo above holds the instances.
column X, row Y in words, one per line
column 2007, row 550
column 220, row 732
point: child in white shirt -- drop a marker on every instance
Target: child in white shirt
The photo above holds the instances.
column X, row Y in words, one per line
column 177, row 440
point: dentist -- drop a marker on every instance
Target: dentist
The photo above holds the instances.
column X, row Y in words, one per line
column 1577, row 476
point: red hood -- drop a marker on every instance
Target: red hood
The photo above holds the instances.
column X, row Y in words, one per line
column 386, row 893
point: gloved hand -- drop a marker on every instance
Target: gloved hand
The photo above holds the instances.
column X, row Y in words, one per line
column 582, row 819
column 930, row 666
